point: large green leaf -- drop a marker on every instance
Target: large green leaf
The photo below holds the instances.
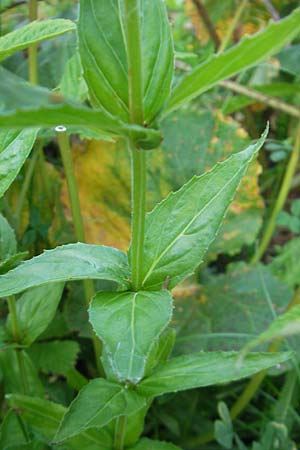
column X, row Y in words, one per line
column 33, row 33
column 11, row 432
column 180, row 229
column 285, row 325
column 250, row 51
column 68, row 262
column 35, row 310
column 96, row 405
column 23, row 106
column 14, row 149
column 148, row 444
column 229, row 310
column 286, row 264
column 206, row 369
column 128, row 324
column 103, row 50
column 8, row 242
column 43, row 417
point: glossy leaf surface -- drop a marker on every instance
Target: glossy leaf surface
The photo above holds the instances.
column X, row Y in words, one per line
column 106, row 401
column 102, row 45
column 128, row 324
column 180, row 229
column 250, row 51
column 24, row 106
column 44, row 418
column 35, row 310
column 68, row 262
column 33, row 33
column 206, row 369
column 14, row 149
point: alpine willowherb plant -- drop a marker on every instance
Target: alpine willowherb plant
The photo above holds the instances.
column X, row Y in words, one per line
column 126, row 52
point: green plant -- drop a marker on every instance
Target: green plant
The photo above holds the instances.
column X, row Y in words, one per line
column 128, row 70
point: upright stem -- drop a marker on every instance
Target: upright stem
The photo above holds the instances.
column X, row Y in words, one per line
column 281, row 199
column 65, row 151
column 139, row 182
column 233, row 25
column 207, row 22
column 17, row 337
column 120, row 432
column 33, row 49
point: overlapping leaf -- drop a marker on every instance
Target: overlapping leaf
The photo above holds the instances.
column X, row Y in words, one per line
column 250, row 51
column 68, row 262
column 128, row 324
column 180, row 229
column 102, row 45
column 106, row 401
column 33, row 33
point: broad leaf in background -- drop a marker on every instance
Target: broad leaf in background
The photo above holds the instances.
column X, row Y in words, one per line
column 149, row 444
column 11, row 432
column 13, row 383
column 23, row 106
column 128, row 324
column 72, row 84
column 161, row 350
column 250, row 51
column 35, row 310
column 102, row 46
column 33, row 33
column 106, row 401
column 228, row 310
column 206, row 369
column 43, row 417
column 285, row 325
column 82, row 261
column 14, row 149
column 180, row 229
column 194, row 141
column 287, row 264
column 56, row 357
column 8, row 242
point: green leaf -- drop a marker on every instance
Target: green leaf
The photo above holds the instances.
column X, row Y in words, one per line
column 13, row 382
column 12, row 261
column 68, row 262
column 96, row 405
column 102, row 46
column 250, row 51
column 149, row 444
column 44, row 418
column 180, row 229
column 287, row 265
column 161, row 350
column 23, row 106
column 128, row 323
column 35, row 310
column 14, row 149
column 54, row 357
column 287, row 324
column 72, row 84
column 11, row 432
column 206, row 369
column 33, row 33
column 8, row 242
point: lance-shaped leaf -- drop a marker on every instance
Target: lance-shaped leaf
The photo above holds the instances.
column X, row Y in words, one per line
column 287, row 324
column 68, row 262
column 180, row 228
column 250, row 51
column 44, row 418
column 97, row 404
column 206, row 369
column 149, row 444
column 23, row 106
column 35, row 310
column 103, row 48
column 15, row 146
column 128, row 324
column 8, row 242
column 33, row 33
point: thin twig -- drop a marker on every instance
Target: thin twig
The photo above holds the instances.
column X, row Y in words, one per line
column 272, row 10
column 207, row 22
